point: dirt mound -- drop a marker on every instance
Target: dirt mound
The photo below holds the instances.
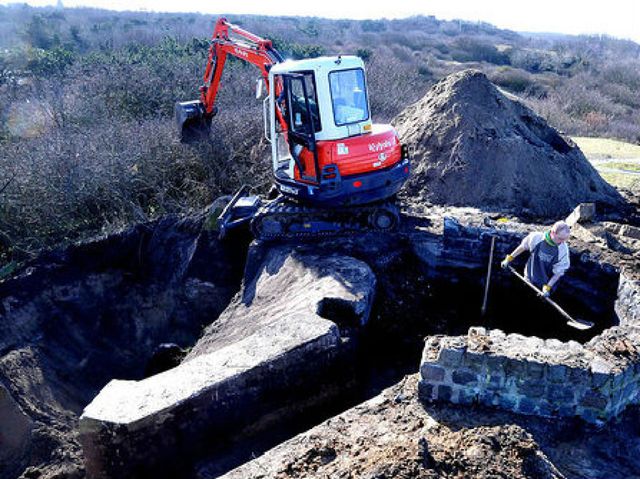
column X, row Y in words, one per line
column 474, row 146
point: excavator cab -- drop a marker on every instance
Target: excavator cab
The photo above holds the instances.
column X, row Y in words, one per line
column 329, row 152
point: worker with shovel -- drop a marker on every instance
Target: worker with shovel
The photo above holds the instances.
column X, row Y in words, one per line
column 548, row 261
column 549, row 258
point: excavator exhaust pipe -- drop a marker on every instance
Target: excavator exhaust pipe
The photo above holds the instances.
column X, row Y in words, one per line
column 192, row 121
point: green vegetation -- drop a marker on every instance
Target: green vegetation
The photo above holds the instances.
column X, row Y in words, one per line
column 620, row 180
column 623, row 166
column 602, row 148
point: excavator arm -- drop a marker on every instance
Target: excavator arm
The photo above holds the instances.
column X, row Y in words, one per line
column 193, row 118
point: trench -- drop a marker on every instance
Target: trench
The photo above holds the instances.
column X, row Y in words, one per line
column 411, row 302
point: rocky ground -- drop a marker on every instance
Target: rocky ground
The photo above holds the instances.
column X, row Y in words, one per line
column 394, row 435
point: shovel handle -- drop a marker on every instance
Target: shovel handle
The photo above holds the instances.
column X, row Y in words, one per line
column 575, row 323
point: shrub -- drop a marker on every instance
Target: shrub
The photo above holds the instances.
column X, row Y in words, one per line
column 512, row 79
column 468, row 49
column 364, row 53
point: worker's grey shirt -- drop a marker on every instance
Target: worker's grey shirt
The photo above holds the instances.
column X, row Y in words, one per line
column 546, row 260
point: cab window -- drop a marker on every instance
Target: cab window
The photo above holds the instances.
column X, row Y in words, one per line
column 348, row 96
column 299, row 120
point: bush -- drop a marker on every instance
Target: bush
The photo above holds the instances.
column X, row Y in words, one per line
column 469, row 49
column 364, row 53
column 512, row 79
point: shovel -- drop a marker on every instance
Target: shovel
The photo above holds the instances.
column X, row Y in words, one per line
column 486, row 284
column 574, row 323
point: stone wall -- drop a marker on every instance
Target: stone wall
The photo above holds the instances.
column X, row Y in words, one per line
column 628, row 303
column 532, row 376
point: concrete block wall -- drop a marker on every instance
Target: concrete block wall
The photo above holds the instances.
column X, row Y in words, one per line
column 532, row 376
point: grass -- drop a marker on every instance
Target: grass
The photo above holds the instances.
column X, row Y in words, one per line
column 619, row 165
column 602, row 148
column 620, row 180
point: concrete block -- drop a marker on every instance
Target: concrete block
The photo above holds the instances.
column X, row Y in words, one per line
column 516, row 368
column 546, row 409
column 507, row 401
column 488, row 398
column 451, row 357
column 533, row 389
column 583, row 213
column 526, row 406
column 443, row 392
column 464, row 376
column 557, row 373
column 561, row 393
column 475, row 361
column 432, row 373
column 594, row 400
column 495, row 363
column 535, row 370
column 618, row 381
column 579, row 375
column 131, row 425
column 566, row 410
column 631, row 393
column 496, row 381
column 426, row 391
column 467, row 396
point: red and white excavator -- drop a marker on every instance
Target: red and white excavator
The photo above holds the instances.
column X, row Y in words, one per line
column 334, row 168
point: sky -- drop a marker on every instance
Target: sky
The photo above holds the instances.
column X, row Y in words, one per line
column 618, row 18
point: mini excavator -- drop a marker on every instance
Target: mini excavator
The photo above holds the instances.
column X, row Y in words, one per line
column 335, row 172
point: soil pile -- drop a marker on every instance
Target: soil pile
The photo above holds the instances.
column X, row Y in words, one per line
column 474, row 146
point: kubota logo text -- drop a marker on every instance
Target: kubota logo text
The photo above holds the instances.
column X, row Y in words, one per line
column 241, row 52
column 381, row 145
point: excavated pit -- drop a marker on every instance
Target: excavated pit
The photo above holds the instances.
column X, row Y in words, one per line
column 425, row 284
column 413, row 300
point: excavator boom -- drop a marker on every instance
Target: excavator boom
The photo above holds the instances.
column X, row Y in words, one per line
column 193, row 118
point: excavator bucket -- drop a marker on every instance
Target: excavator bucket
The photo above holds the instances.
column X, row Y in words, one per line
column 192, row 122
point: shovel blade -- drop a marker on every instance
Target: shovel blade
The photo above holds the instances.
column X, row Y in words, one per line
column 580, row 324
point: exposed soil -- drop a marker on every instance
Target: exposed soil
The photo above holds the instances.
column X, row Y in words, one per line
column 396, row 436
column 474, row 146
column 74, row 319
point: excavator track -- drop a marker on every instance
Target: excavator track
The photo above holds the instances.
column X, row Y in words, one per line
column 284, row 219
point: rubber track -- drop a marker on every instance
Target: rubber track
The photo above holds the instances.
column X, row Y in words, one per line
column 352, row 219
